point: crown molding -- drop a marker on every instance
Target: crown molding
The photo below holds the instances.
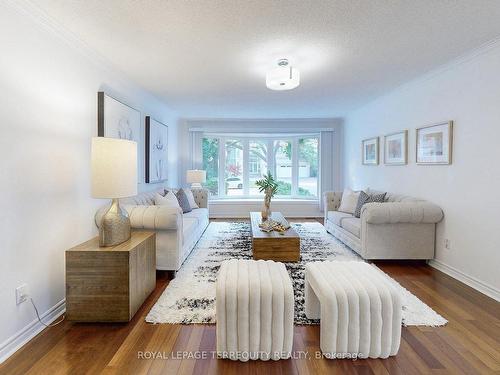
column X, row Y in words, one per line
column 465, row 58
column 47, row 23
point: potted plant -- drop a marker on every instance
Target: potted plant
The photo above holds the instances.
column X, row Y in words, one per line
column 269, row 186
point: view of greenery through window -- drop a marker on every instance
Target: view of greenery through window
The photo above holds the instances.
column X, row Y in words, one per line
column 248, row 159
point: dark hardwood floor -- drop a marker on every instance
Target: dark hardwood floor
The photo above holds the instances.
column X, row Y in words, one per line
column 469, row 344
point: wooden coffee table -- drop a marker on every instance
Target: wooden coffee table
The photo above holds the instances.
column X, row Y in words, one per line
column 272, row 245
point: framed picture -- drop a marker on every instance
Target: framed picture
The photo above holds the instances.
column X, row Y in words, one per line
column 370, row 151
column 118, row 120
column 156, row 151
column 434, row 143
column 396, row 148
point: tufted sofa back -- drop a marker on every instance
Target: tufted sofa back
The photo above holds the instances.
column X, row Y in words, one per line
column 390, row 197
column 146, row 198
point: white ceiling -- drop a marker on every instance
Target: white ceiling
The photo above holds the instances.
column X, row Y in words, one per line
column 209, row 58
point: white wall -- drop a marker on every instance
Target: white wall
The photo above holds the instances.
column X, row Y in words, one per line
column 48, row 114
column 331, row 172
column 466, row 91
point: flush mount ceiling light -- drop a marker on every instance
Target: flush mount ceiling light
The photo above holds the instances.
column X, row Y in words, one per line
column 284, row 77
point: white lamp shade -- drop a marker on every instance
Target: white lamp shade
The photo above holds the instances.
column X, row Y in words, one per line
column 196, row 176
column 114, row 168
column 283, row 78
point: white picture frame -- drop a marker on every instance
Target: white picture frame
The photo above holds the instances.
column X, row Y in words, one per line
column 434, row 144
column 396, row 148
column 370, row 151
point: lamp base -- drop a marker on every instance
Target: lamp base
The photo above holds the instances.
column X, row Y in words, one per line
column 115, row 226
column 196, row 185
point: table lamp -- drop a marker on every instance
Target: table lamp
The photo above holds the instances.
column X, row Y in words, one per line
column 196, row 177
column 114, row 176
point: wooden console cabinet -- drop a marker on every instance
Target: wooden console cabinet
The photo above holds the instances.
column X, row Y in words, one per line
column 109, row 284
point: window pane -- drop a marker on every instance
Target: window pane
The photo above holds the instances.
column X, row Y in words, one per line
column 308, row 167
column 283, row 166
column 211, row 164
column 257, row 164
column 234, row 168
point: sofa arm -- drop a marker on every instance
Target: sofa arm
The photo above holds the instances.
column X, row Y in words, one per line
column 401, row 212
column 201, row 197
column 331, row 201
column 149, row 217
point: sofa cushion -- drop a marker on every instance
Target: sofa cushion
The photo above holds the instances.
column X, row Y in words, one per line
column 190, row 197
column 366, row 198
column 349, row 201
column 199, row 214
column 183, row 201
column 169, row 200
column 336, row 217
column 352, row 225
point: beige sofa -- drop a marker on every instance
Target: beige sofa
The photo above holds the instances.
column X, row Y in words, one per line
column 176, row 233
column 400, row 228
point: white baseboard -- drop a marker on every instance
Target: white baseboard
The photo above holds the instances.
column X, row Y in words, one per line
column 480, row 286
column 22, row 337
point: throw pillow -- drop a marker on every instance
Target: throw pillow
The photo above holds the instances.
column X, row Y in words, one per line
column 349, row 201
column 183, row 201
column 190, row 197
column 169, row 200
column 365, row 198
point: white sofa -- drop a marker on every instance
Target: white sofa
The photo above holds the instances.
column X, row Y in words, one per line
column 176, row 233
column 400, row 228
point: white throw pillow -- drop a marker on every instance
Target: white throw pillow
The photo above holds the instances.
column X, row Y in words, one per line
column 169, row 200
column 349, row 201
column 190, row 197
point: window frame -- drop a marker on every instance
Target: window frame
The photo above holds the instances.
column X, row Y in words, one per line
column 269, row 139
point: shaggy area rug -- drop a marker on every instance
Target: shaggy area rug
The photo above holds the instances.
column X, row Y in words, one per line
column 190, row 297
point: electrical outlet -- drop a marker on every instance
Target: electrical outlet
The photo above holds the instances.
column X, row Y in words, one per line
column 22, row 294
column 447, row 244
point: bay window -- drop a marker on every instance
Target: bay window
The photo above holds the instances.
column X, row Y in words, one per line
column 293, row 160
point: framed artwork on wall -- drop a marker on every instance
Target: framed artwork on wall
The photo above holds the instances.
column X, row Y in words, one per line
column 118, row 120
column 434, row 144
column 396, row 148
column 370, row 151
column 156, row 151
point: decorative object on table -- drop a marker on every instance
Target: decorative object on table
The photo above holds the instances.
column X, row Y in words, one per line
column 396, row 148
column 370, row 151
column 118, row 120
column 269, row 186
column 365, row 198
column 114, row 175
column 110, row 284
column 156, row 151
column 196, row 177
column 434, row 143
column 279, row 226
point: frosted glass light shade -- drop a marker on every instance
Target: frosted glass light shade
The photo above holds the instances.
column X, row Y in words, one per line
column 114, row 168
column 283, row 78
column 196, row 176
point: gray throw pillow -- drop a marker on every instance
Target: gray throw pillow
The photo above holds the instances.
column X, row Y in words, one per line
column 183, row 201
column 365, row 198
